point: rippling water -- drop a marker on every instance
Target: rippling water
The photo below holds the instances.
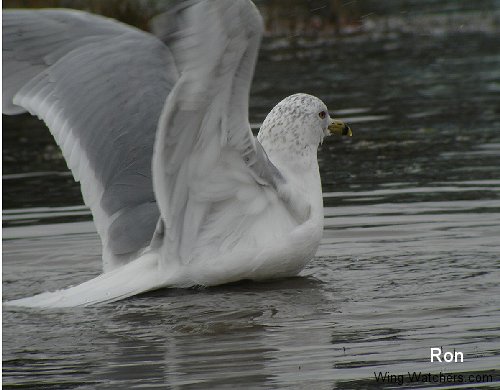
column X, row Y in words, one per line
column 409, row 259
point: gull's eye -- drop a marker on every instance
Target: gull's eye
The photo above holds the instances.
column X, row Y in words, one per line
column 322, row 115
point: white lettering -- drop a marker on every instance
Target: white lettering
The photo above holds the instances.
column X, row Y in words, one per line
column 435, row 353
column 448, row 357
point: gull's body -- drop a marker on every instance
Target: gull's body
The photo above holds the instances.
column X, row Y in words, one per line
column 181, row 192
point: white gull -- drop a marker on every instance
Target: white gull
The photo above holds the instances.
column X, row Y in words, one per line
column 157, row 133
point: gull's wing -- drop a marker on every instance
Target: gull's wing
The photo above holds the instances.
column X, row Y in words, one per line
column 100, row 87
column 212, row 179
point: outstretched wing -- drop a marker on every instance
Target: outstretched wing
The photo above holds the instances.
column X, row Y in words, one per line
column 212, row 179
column 100, row 86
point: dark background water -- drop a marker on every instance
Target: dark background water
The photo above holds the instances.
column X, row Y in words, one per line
column 409, row 258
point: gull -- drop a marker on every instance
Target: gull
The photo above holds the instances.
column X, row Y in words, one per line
column 157, row 133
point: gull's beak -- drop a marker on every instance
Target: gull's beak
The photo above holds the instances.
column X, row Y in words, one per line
column 339, row 128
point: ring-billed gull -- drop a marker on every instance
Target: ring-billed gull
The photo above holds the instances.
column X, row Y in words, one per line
column 181, row 192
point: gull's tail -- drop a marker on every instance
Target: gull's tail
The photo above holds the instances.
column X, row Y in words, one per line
column 138, row 276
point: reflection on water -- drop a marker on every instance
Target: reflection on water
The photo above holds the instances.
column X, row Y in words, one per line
column 409, row 258
column 391, row 280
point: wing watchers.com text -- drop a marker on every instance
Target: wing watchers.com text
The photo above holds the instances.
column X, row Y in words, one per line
column 427, row 377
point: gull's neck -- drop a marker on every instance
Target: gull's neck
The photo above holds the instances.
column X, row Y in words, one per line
column 298, row 163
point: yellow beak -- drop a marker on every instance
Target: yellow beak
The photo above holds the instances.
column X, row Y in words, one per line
column 339, row 128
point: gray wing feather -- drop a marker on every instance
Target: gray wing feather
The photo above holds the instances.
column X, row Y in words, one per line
column 100, row 86
column 265, row 169
column 206, row 117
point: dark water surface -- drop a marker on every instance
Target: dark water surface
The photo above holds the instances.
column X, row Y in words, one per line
column 409, row 259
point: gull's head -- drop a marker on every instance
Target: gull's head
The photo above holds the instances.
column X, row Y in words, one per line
column 298, row 124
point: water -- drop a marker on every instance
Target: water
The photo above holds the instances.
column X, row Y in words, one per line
column 409, row 258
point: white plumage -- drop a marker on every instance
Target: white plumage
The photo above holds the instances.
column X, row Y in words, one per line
column 181, row 192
